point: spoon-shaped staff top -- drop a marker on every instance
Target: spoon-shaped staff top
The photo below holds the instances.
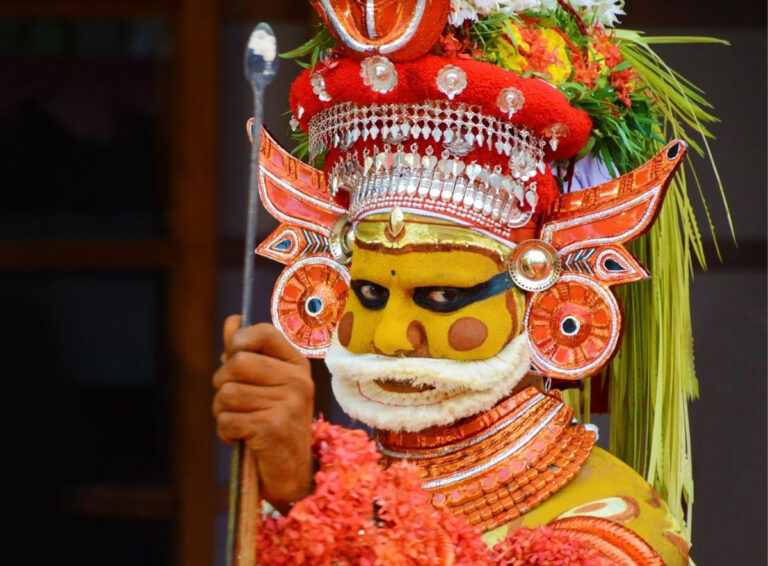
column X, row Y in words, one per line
column 261, row 64
column 261, row 58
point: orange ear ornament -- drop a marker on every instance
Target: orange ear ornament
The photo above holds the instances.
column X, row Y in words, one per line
column 574, row 326
column 309, row 296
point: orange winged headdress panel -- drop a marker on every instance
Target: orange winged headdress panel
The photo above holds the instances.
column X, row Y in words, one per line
column 574, row 325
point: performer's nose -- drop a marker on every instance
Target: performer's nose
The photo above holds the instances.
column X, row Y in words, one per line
column 391, row 337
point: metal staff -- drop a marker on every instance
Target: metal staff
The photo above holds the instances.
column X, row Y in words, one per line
column 261, row 63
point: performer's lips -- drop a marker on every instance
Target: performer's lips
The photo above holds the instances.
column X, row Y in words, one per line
column 402, row 386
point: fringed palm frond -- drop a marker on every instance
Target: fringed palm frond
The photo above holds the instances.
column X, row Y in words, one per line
column 653, row 378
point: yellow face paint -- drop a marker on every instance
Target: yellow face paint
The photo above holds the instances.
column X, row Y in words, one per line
column 429, row 255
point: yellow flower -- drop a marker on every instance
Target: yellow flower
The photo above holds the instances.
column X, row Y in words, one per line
column 515, row 54
column 560, row 71
column 509, row 56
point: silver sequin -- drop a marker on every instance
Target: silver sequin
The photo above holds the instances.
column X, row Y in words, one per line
column 378, row 73
column 451, row 81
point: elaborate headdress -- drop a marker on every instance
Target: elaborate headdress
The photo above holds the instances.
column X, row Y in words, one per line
column 530, row 122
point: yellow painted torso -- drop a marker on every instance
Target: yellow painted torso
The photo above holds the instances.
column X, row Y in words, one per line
column 606, row 487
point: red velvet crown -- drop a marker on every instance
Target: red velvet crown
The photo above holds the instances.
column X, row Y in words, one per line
column 539, row 111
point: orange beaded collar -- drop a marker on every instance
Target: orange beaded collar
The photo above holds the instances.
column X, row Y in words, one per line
column 500, row 464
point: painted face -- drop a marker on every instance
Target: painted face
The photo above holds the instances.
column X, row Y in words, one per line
column 430, row 310
column 437, row 291
column 455, row 304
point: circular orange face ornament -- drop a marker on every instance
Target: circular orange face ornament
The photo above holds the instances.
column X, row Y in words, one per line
column 573, row 327
column 308, row 301
column 400, row 30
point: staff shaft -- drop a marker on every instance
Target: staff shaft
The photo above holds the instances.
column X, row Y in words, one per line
column 244, row 476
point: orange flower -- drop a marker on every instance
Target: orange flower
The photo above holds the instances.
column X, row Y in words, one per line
column 542, row 546
column 361, row 513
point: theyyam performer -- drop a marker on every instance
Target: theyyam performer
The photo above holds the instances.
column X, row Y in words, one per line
column 454, row 237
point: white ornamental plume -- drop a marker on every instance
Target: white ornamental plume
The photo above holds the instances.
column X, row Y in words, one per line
column 604, row 11
column 462, row 11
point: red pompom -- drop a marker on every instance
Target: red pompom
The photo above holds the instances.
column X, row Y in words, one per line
column 544, row 105
column 545, row 112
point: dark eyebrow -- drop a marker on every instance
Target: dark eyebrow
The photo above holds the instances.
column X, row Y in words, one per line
column 465, row 295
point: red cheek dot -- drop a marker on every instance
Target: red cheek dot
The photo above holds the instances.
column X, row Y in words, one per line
column 467, row 333
column 345, row 328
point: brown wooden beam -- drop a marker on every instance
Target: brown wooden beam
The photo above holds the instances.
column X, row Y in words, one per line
column 39, row 254
column 118, row 502
column 193, row 277
column 129, row 9
column 128, row 502
column 284, row 10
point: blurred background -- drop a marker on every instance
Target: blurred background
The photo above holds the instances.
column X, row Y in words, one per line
column 124, row 164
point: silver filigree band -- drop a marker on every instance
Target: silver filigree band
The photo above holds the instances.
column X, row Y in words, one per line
column 446, row 186
column 459, row 128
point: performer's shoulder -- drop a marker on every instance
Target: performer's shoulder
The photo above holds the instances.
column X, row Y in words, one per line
column 607, row 488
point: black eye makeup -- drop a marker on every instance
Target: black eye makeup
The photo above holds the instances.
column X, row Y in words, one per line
column 370, row 295
column 451, row 299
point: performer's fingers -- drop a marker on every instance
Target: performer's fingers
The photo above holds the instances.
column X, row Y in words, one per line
column 242, row 398
column 257, row 369
column 235, row 426
column 261, row 428
column 231, row 325
column 265, row 339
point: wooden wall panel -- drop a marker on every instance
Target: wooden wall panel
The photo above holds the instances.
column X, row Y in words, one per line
column 193, row 278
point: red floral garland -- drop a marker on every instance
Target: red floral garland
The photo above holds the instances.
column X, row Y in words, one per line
column 546, row 547
column 361, row 513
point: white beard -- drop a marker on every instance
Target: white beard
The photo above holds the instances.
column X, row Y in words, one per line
column 461, row 388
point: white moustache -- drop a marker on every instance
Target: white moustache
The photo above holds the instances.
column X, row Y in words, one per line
column 456, row 389
column 442, row 374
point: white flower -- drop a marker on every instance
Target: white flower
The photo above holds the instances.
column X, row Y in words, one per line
column 518, row 6
column 606, row 12
column 461, row 11
column 485, row 7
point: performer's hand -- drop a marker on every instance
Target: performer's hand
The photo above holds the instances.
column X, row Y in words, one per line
column 265, row 395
